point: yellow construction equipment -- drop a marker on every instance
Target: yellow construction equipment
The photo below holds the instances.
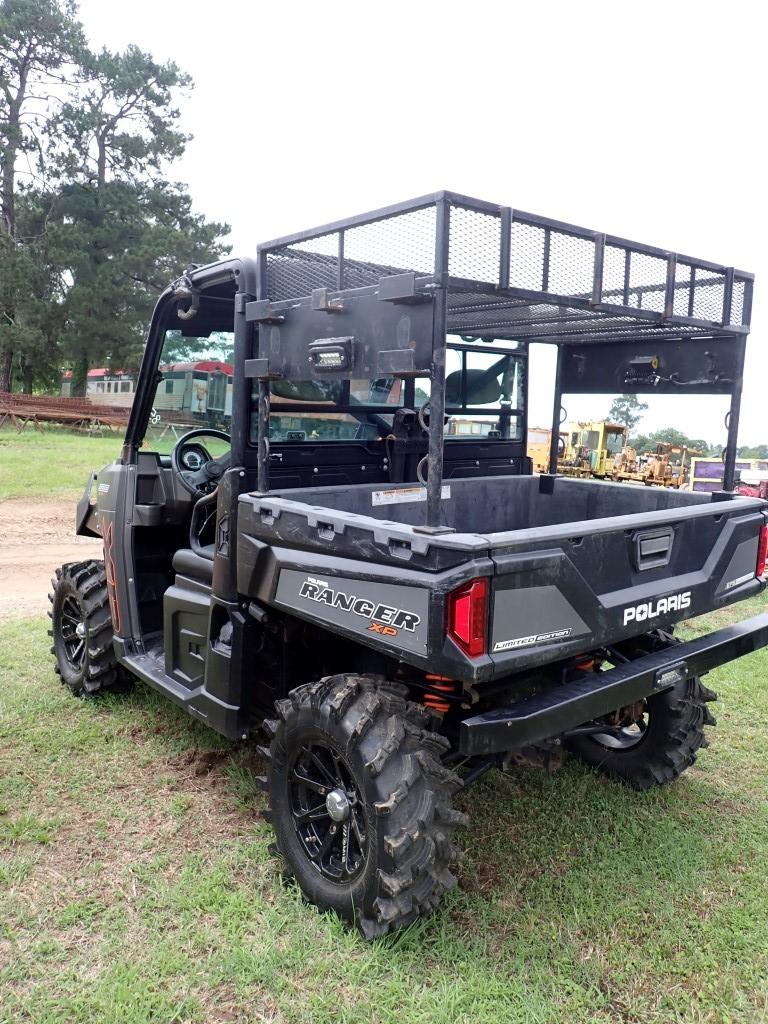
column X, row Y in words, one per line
column 539, row 439
column 626, row 465
column 599, row 449
column 591, row 449
column 670, row 466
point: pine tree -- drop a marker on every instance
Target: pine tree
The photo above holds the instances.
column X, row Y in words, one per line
column 126, row 229
column 40, row 44
column 627, row 409
column 92, row 227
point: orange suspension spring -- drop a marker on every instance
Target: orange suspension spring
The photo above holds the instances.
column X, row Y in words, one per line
column 439, row 686
column 588, row 663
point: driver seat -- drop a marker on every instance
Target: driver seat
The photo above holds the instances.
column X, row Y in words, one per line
column 196, row 561
column 195, row 565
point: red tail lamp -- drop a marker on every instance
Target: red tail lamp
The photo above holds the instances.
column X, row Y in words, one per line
column 762, row 551
column 468, row 616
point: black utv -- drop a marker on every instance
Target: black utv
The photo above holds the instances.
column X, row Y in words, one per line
column 368, row 571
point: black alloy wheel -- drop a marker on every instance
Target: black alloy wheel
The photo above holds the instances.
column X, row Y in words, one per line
column 328, row 812
column 81, row 630
column 625, row 736
column 360, row 801
column 73, row 633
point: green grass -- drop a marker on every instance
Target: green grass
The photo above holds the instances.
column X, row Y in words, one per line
column 55, row 463
column 137, row 885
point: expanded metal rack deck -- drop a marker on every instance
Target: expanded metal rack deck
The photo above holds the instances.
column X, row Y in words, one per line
column 513, row 274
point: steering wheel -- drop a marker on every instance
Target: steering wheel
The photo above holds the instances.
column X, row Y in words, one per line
column 198, row 473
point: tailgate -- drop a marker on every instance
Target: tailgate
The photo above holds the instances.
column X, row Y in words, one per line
column 569, row 588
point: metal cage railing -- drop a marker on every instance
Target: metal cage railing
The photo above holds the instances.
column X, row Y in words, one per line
column 494, row 272
column 514, row 274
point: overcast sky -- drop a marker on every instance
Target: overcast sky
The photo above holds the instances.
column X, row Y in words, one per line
column 642, row 119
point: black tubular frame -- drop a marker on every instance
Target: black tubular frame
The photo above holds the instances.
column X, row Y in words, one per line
column 492, row 271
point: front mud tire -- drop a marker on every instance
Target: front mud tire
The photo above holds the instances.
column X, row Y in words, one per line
column 391, row 772
column 673, row 735
column 81, row 630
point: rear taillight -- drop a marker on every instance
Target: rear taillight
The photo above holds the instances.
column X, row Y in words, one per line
column 762, row 551
column 468, row 616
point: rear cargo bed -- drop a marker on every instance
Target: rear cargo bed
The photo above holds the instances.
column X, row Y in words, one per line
column 574, row 565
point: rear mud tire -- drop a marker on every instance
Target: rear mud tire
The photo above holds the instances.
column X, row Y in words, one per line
column 401, row 792
column 670, row 743
column 85, row 659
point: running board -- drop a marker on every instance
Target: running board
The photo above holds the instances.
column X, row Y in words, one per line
column 561, row 708
column 223, row 717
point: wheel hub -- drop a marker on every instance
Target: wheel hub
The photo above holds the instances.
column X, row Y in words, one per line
column 627, row 727
column 73, row 632
column 328, row 812
column 337, row 805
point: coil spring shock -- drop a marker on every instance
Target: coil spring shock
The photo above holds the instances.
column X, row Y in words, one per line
column 440, row 687
column 586, row 664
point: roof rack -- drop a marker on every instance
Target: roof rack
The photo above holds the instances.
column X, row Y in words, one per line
column 514, row 274
column 625, row 316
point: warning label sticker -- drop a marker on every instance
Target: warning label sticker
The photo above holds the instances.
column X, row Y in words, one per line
column 405, row 495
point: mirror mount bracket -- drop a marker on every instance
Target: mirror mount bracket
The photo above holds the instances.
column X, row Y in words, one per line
column 260, row 311
column 258, row 369
column 321, row 302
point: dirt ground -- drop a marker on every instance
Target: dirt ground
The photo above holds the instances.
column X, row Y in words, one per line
column 36, row 535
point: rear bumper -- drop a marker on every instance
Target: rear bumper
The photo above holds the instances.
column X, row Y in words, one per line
column 566, row 707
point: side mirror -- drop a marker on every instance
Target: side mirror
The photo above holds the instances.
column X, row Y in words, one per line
column 483, row 388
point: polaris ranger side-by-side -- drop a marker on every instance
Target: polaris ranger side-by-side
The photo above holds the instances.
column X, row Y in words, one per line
column 399, row 605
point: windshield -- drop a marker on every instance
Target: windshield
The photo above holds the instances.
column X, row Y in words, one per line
column 193, row 389
column 614, row 442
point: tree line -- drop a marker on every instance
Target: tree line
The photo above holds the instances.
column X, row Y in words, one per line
column 92, row 224
column 628, row 409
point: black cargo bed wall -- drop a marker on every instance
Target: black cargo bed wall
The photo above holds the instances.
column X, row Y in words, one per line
column 496, row 504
